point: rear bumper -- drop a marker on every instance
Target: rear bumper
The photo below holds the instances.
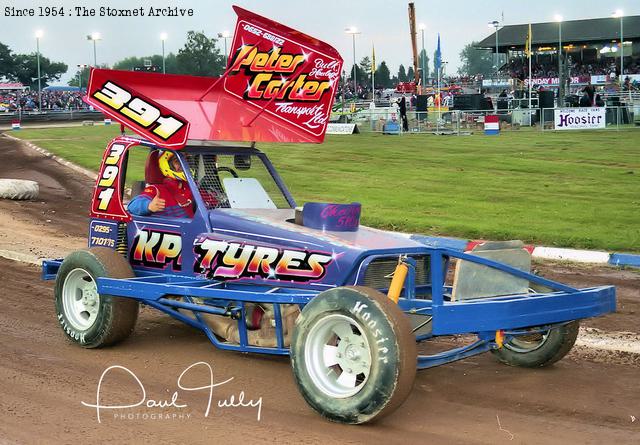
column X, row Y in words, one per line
column 512, row 312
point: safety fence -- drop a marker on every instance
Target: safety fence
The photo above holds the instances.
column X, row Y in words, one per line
column 49, row 116
column 464, row 122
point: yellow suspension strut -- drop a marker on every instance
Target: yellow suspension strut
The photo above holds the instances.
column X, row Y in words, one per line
column 397, row 282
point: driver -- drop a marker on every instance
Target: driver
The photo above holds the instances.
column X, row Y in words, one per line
column 170, row 198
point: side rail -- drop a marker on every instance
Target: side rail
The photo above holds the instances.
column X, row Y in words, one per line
column 211, row 306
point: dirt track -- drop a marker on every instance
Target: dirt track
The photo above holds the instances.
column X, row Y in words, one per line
column 585, row 398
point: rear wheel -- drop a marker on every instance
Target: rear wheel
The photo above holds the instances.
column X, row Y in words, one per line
column 353, row 355
column 88, row 318
column 539, row 349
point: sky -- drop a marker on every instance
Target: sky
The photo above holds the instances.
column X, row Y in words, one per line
column 382, row 23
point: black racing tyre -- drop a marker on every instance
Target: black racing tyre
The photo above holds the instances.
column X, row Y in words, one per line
column 539, row 349
column 87, row 318
column 353, row 355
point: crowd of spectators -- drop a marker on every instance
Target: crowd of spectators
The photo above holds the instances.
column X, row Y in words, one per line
column 518, row 68
column 15, row 100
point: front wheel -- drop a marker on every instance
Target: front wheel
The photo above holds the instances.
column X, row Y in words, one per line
column 353, row 355
column 539, row 349
column 88, row 318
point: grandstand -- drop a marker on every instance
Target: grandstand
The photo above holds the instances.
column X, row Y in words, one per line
column 590, row 52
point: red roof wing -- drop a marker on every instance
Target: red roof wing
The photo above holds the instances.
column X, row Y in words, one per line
column 279, row 86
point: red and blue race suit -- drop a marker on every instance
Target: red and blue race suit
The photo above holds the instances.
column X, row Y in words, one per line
column 176, row 194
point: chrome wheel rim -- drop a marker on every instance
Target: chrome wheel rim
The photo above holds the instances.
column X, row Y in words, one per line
column 338, row 356
column 80, row 299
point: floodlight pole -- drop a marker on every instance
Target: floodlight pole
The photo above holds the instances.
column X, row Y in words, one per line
column 496, row 52
column 496, row 25
column 164, row 70
column 355, row 83
column 353, row 31
column 225, row 35
column 621, row 52
column 620, row 14
column 81, row 68
column 560, row 76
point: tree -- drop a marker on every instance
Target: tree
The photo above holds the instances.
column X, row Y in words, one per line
column 410, row 76
column 200, row 56
column 475, row 61
column 383, row 76
column 6, row 61
column 402, row 74
column 365, row 68
column 81, row 78
column 361, row 76
column 26, row 70
column 423, row 61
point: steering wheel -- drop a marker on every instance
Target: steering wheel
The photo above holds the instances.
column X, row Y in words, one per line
column 228, row 170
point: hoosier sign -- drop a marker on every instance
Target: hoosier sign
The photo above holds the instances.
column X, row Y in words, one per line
column 579, row 118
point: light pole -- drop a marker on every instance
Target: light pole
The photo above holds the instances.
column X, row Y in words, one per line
column 94, row 36
column 558, row 18
column 353, row 31
column 422, row 27
column 620, row 14
column 81, row 68
column 495, row 24
column 163, row 37
column 39, row 34
column 225, row 35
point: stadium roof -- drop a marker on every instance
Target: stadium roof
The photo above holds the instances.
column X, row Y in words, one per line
column 573, row 31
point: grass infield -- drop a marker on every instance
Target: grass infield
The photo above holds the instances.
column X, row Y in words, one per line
column 570, row 189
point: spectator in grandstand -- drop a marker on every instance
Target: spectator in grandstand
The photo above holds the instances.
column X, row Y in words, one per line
column 590, row 91
column 599, row 102
column 503, row 101
column 585, row 101
column 51, row 100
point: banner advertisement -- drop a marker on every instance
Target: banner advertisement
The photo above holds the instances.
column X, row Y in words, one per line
column 579, row 118
column 505, row 82
column 603, row 79
column 553, row 81
column 342, row 129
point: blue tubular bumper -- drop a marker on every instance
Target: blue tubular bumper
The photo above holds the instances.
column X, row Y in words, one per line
column 491, row 314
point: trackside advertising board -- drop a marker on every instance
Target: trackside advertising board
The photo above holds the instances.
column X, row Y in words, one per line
column 579, row 118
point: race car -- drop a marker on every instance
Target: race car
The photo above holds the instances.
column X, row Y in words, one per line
column 256, row 273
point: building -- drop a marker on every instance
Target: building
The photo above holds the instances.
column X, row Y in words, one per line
column 591, row 51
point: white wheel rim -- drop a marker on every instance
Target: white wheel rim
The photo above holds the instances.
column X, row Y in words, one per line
column 337, row 356
column 80, row 299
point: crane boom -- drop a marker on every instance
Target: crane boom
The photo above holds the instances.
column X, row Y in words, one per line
column 414, row 44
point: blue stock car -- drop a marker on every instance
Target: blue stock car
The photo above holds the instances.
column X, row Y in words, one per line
column 349, row 304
